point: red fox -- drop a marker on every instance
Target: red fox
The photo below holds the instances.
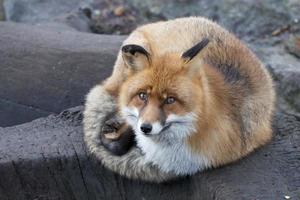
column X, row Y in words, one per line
column 195, row 96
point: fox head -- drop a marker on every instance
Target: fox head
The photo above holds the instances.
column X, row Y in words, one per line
column 162, row 92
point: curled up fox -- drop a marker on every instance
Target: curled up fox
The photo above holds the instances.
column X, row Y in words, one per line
column 188, row 93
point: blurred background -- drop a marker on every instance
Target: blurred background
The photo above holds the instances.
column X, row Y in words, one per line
column 270, row 28
column 250, row 20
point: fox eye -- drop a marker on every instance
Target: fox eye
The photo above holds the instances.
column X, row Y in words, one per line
column 170, row 100
column 143, row 96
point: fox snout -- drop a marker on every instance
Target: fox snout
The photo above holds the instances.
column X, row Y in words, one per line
column 147, row 125
column 148, row 128
column 143, row 122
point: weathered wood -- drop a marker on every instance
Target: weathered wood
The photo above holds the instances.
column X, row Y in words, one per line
column 47, row 159
column 45, row 71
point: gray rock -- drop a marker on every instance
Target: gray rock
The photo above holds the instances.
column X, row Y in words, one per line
column 293, row 45
column 62, row 13
column 44, row 71
column 285, row 69
column 2, row 14
column 47, row 159
column 250, row 20
column 14, row 113
column 34, row 11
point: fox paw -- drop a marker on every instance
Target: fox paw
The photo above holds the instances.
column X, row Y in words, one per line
column 117, row 137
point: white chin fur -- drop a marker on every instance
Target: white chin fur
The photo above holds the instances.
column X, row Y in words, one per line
column 168, row 149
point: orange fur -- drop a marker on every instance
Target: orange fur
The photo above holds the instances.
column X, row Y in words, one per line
column 234, row 110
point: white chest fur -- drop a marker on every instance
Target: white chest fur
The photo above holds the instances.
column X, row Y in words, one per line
column 169, row 150
column 171, row 154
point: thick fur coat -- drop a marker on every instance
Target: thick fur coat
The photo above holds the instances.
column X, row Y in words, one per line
column 233, row 110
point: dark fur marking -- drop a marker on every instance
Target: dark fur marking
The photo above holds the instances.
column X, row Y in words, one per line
column 237, row 80
column 231, row 74
column 122, row 145
column 132, row 49
column 240, row 86
column 192, row 52
column 243, row 132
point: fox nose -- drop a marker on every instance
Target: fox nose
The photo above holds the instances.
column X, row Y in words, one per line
column 146, row 128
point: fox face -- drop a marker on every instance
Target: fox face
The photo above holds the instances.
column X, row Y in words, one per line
column 152, row 108
column 162, row 94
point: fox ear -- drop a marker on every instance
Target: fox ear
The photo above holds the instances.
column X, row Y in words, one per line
column 192, row 52
column 135, row 56
column 193, row 62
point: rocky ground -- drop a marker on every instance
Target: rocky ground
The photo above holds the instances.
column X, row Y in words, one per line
column 251, row 20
